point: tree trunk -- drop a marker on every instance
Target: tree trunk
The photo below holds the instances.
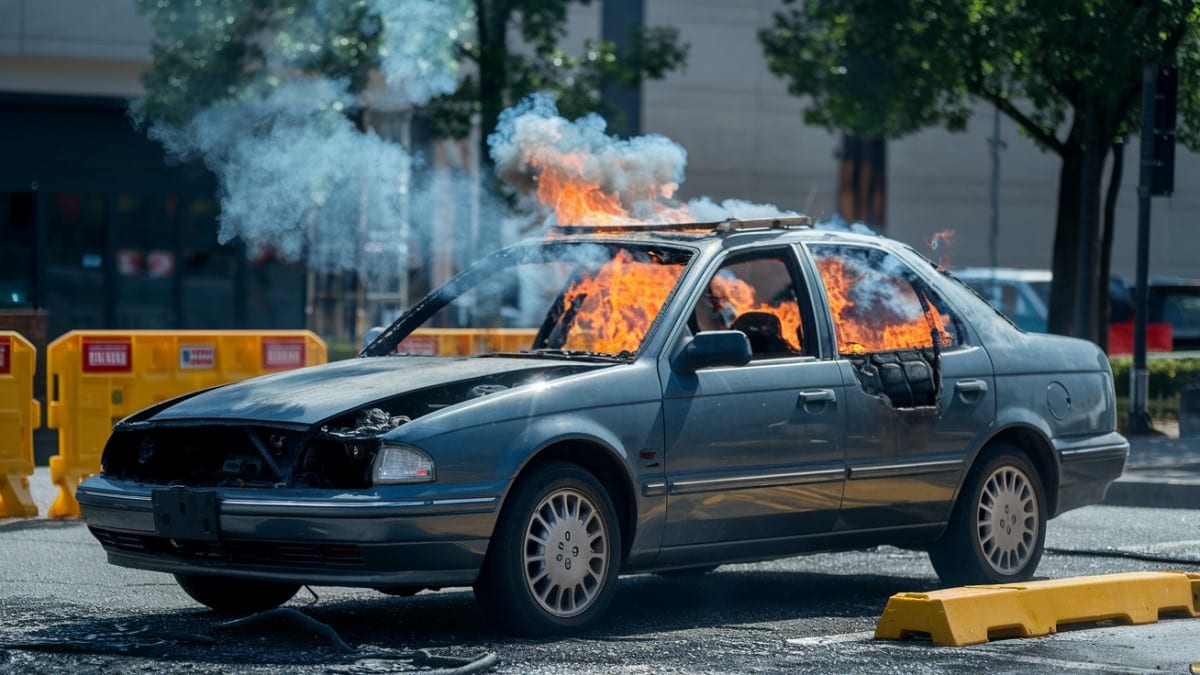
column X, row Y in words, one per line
column 1066, row 242
column 491, row 24
column 862, row 182
column 1095, row 149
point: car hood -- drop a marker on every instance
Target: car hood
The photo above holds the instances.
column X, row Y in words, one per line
column 311, row 395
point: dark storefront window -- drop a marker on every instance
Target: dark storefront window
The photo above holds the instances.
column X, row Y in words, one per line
column 18, row 233
column 75, row 251
column 144, row 262
column 100, row 232
column 209, row 269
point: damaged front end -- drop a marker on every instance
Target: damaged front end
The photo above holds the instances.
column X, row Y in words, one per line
column 337, row 455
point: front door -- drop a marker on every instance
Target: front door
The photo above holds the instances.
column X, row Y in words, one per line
column 754, row 452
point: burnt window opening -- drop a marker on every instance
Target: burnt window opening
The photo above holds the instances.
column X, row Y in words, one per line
column 889, row 323
column 756, row 295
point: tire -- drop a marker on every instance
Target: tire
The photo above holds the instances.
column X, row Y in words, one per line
column 998, row 529
column 227, row 595
column 551, row 566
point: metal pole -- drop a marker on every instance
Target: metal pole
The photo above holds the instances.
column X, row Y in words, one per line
column 1139, row 416
column 994, row 234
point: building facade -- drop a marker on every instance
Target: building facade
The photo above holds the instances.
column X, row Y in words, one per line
column 98, row 229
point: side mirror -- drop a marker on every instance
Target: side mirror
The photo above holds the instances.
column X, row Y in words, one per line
column 714, row 348
column 370, row 336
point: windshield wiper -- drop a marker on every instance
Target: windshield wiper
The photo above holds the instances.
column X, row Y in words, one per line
column 579, row 354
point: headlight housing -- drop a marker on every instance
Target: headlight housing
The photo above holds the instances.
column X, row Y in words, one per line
column 398, row 463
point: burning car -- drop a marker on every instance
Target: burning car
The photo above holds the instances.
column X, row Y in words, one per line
column 695, row 394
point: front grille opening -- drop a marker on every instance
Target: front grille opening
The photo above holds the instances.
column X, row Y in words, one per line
column 312, row 556
column 238, row 456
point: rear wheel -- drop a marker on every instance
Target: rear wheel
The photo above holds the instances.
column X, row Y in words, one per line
column 998, row 529
column 553, row 560
column 235, row 596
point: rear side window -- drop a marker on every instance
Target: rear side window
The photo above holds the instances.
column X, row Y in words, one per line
column 878, row 303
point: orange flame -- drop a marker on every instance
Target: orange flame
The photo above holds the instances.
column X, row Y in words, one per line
column 562, row 188
column 938, row 240
column 577, row 202
column 741, row 296
column 862, row 330
column 614, row 308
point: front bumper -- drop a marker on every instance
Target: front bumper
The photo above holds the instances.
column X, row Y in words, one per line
column 370, row 538
column 1089, row 466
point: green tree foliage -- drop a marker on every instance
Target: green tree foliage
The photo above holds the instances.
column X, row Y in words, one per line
column 207, row 52
column 1067, row 72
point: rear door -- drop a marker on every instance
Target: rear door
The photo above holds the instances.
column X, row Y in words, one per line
column 917, row 408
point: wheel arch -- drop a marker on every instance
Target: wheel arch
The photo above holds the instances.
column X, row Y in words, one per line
column 1040, row 452
column 602, row 462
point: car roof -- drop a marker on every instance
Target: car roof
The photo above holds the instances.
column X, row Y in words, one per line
column 718, row 233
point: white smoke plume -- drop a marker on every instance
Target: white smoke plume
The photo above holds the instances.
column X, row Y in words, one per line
column 642, row 173
column 296, row 175
column 420, row 59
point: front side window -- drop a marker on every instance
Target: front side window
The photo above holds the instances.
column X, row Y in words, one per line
column 756, row 295
column 878, row 303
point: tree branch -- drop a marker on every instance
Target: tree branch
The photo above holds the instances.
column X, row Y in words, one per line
column 1039, row 134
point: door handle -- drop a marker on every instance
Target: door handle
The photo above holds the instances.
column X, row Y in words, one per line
column 970, row 386
column 817, row 396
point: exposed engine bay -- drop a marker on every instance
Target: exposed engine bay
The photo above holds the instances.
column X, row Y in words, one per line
column 335, row 454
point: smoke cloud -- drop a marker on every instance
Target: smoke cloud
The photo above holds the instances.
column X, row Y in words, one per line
column 296, row 175
column 533, row 143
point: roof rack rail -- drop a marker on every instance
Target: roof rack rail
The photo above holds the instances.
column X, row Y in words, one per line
column 774, row 223
column 721, row 226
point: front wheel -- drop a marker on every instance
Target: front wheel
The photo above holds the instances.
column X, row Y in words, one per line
column 228, row 595
column 552, row 563
column 998, row 529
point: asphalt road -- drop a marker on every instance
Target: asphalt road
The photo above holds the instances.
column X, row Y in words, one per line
column 63, row 609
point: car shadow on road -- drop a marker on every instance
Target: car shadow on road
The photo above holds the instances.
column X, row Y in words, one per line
column 449, row 622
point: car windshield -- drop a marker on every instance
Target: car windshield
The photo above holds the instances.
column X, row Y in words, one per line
column 559, row 298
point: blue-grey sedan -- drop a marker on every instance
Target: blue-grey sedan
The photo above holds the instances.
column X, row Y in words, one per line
column 692, row 395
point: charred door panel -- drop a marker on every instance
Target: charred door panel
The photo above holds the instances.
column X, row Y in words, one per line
column 905, row 461
column 921, row 391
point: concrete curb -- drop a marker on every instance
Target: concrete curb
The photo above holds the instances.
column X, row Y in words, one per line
column 1157, row 489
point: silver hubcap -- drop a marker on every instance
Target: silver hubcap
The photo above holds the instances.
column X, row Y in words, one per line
column 1008, row 520
column 566, row 553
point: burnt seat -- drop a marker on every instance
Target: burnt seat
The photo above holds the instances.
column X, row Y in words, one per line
column 765, row 333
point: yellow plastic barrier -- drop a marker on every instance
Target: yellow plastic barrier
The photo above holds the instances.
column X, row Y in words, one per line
column 974, row 614
column 20, row 414
column 95, row 378
column 466, row 341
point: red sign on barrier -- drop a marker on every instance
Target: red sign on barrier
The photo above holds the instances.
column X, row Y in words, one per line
column 282, row 354
column 5, row 355
column 107, row 357
column 418, row 345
